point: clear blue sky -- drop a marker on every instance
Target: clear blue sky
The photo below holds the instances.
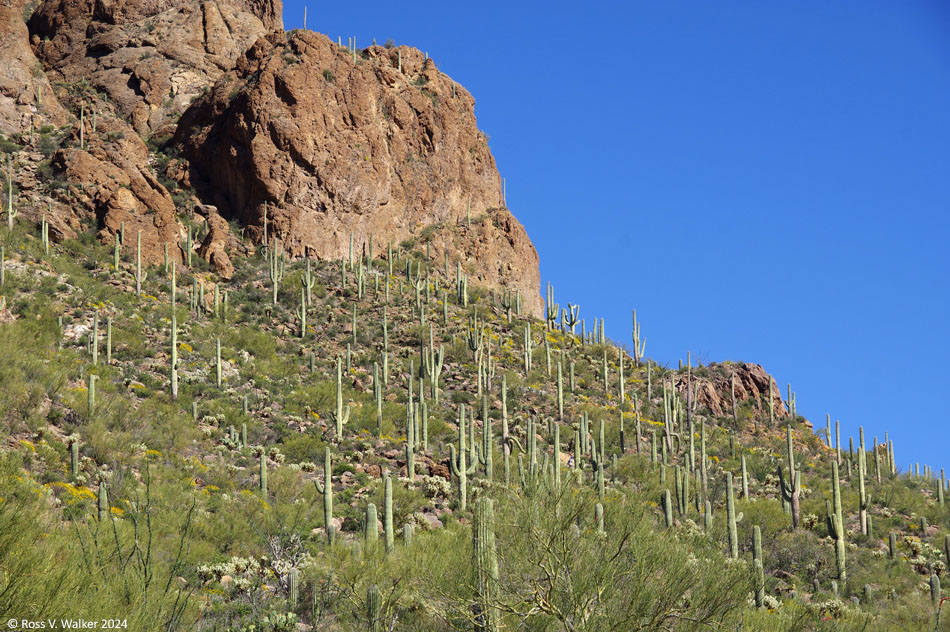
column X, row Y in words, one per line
column 764, row 182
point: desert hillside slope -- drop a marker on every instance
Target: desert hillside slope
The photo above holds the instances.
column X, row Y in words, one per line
column 207, row 429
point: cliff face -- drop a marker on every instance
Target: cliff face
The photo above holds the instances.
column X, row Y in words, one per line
column 379, row 144
column 25, row 93
column 384, row 147
column 150, row 58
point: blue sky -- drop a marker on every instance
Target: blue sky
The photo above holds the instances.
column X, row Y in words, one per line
column 763, row 182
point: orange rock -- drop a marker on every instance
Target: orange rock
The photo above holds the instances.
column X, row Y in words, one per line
column 334, row 147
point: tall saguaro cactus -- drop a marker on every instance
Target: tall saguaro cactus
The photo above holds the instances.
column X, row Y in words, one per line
column 792, row 487
column 864, row 497
column 327, row 490
column 139, row 275
column 836, row 524
column 374, row 609
column 485, row 566
column 757, row 563
column 388, row 515
column 341, row 415
column 639, row 345
column 732, row 518
column 460, row 469
column 174, row 358
column 275, row 269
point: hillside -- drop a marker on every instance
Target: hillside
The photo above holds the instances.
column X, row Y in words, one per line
column 264, row 370
column 157, row 501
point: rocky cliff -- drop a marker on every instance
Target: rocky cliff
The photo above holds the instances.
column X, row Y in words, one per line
column 377, row 143
column 151, row 58
column 25, row 93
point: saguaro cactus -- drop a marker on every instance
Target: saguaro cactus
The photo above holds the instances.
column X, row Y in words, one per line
column 293, row 587
column 263, row 470
column 411, row 442
column 341, row 415
column 103, row 501
column 174, row 358
column 758, row 570
column 639, row 345
column 327, row 490
column 92, row 394
column 371, row 526
column 836, row 524
column 74, row 457
column 374, row 609
column 460, row 470
column 488, row 441
column 11, row 212
column 864, row 497
column 485, row 566
column 302, row 313
column 792, row 487
column 732, row 518
column 217, row 362
column 388, row 514
column 668, row 508
column 139, row 275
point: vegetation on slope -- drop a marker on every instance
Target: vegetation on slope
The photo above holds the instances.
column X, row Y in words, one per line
column 208, row 511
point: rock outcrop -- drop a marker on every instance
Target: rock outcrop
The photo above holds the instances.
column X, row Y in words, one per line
column 110, row 179
column 26, row 95
column 152, row 58
column 712, row 388
column 378, row 143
